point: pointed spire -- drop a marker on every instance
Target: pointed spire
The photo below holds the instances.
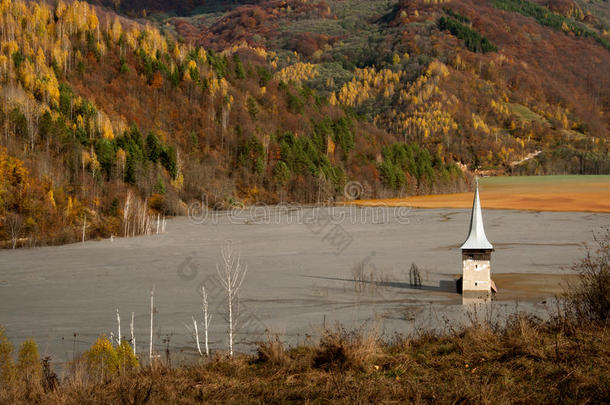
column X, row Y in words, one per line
column 476, row 236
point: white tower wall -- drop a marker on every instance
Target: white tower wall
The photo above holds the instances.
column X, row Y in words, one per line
column 476, row 272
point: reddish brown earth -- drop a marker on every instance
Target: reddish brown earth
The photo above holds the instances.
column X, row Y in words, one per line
column 541, row 193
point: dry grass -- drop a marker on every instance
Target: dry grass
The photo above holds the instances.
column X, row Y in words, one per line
column 342, row 350
column 272, row 352
column 528, row 361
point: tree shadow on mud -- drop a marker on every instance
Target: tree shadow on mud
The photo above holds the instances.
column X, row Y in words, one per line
column 444, row 285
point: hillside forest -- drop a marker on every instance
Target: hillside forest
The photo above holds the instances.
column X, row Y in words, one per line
column 114, row 113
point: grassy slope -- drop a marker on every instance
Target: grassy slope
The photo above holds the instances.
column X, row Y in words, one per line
column 598, row 8
column 527, row 362
column 524, row 113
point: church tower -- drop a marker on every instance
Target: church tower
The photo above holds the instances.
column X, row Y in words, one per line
column 476, row 253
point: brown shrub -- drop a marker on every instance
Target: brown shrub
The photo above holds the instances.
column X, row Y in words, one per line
column 589, row 299
column 342, row 350
column 272, row 352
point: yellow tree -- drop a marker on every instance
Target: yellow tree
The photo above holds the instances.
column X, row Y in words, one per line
column 116, row 30
column 7, row 368
column 41, row 60
column 121, row 158
column 28, row 363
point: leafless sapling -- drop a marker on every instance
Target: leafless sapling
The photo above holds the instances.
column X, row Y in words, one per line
column 118, row 321
column 84, row 227
column 207, row 317
column 152, row 310
column 197, row 336
column 14, row 223
column 133, row 336
column 231, row 275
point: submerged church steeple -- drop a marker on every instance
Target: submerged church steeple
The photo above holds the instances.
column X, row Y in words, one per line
column 476, row 235
column 476, row 253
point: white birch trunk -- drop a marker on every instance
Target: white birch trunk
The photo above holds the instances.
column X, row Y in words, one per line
column 197, row 336
column 133, row 337
column 118, row 321
column 231, row 277
column 206, row 319
column 152, row 297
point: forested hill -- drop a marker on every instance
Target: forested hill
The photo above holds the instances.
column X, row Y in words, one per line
column 115, row 111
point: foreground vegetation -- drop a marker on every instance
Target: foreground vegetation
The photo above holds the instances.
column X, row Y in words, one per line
column 564, row 359
column 527, row 362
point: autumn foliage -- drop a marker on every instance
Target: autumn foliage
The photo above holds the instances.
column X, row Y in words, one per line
column 406, row 100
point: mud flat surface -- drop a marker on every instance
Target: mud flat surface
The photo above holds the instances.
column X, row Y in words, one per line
column 539, row 193
column 299, row 277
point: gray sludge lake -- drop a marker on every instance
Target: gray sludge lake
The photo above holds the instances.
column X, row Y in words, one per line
column 301, row 276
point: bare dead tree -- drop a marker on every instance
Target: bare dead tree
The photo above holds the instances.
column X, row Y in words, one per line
column 414, row 276
column 152, row 310
column 84, row 227
column 231, row 275
column 136, row 219
column 207, row 317
column 133, row 336
column 126, row 214
column 358, row 274
column 206, row 323
column 118, row 321
column 14, row 222
column 197, row 336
